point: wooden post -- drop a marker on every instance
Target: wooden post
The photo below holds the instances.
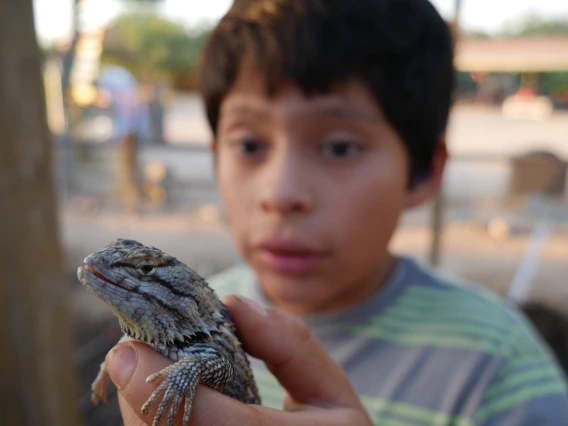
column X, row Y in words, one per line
column 37, row 385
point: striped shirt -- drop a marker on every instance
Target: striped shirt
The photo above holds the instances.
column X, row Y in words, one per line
column 428, row 350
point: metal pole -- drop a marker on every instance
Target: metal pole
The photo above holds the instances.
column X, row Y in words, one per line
column 528, row 268
column 456, row 20
column 439, row 202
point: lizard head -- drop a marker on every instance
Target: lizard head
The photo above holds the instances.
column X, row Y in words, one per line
column 156, row 298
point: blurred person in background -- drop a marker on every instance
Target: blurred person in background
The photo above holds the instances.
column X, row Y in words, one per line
column 118, row 90
column 329, row 121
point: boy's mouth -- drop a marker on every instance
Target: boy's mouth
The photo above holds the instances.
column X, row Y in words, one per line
column 289, row 257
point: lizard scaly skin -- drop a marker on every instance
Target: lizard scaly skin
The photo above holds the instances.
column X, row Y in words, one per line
column 158, row 300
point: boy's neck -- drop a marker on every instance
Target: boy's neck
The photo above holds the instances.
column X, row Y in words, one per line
column 358, row 292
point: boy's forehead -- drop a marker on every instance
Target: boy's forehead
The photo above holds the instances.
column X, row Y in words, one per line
column 323, row 105
column 249, row 95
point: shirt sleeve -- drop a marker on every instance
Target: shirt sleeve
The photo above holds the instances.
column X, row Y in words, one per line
column 529, row 389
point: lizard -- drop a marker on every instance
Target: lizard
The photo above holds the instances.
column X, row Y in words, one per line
column 160, row 301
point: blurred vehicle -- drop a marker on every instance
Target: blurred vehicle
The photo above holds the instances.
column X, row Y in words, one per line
column 526, row 103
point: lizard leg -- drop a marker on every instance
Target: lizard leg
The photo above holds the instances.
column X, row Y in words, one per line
column 99, row 386
column 206, row 363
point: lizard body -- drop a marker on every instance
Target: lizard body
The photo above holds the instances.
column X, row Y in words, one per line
column 160, row 301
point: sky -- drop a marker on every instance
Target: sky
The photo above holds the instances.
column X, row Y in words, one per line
column 53, row 17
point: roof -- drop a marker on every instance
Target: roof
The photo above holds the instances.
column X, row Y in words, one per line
column 523, row 54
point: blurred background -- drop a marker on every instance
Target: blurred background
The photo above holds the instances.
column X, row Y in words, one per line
column 104, row 136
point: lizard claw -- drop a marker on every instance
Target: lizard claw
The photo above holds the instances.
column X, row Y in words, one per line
column 181, row 381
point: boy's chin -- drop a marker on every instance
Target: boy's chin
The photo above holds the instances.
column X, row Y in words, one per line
column 301, row 295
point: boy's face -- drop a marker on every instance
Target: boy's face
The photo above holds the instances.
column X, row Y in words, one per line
column 313, row 188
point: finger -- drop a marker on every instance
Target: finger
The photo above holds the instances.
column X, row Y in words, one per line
column 129, row 416
column 293, row 354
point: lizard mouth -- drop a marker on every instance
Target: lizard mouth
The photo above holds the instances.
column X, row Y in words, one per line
column 90, row 269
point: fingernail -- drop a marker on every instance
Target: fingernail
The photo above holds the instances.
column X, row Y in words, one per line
column 120, row 363
column 252, row 305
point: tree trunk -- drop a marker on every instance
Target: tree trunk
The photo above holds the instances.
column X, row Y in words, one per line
column 37, row 385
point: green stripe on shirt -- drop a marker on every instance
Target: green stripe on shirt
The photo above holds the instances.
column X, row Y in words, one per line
column 521, row 396
column 526, row 378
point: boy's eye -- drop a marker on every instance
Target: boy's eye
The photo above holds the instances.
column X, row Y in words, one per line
column 341, row 149
column 251, row 147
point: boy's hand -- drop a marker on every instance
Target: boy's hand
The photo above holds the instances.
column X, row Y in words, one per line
column 319, row 392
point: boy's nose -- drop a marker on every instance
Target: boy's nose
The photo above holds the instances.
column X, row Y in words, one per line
column 286, row 188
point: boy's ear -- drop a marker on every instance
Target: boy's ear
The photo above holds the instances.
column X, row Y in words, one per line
column 429, row 184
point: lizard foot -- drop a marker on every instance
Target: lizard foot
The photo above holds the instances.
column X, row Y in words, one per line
column 208, row 364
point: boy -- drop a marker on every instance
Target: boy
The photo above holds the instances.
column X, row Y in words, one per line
column 329, row 121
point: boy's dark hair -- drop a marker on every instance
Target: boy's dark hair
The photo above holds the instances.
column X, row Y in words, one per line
column 401, row 49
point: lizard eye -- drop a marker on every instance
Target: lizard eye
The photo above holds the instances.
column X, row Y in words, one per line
column 147, row 269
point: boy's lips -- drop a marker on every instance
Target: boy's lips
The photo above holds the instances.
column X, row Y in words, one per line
column 288, row 256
